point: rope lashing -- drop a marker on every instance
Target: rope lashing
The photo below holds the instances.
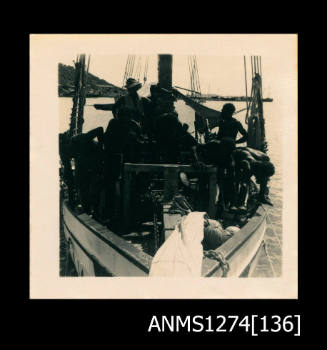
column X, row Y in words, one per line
column 211, row 254
column 180, row 206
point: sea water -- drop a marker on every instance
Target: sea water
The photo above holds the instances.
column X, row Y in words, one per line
column 273, row 238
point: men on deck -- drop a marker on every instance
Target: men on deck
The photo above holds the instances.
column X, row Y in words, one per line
column 250, row 162
column 229, row 126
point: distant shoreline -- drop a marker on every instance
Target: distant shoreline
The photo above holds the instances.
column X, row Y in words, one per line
column 230, row 98
column 87, row 96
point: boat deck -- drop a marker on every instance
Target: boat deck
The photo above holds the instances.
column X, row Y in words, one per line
column 99, row 251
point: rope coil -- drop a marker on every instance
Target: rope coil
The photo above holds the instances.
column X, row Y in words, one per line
column 211, row 254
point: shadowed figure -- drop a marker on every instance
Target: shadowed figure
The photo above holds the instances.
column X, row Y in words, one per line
column 88, row 156
column 121, row 144
column 172, row 138
column 229, row 126
column 219, row 154
column 250, row 162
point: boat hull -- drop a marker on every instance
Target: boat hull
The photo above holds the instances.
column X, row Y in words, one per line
column 96, row 251
column 241, row 249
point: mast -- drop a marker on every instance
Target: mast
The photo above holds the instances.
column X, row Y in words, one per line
column 72, row 126
column 77, row 120
column 165, row 77
column 256, row 121
column 165, row 70
column 82, row 97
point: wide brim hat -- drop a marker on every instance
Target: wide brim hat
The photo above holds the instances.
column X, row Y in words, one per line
column 131, row 82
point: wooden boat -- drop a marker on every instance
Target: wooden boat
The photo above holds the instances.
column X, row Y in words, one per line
column 97, row 251
column 94, row 250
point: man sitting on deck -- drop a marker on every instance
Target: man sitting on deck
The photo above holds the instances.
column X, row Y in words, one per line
column 250, row 162
column 229, row 126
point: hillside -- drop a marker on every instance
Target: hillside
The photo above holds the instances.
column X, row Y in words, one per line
column 96, row 86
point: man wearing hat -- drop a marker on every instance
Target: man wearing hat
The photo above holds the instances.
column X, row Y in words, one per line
column 132, row 101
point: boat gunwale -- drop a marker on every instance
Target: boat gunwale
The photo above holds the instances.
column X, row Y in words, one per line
column 131, row 253
column 234, row 243
column 91, row 256
column 210, row 266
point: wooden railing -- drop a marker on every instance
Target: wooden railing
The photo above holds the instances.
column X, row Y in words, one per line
column 171, row 173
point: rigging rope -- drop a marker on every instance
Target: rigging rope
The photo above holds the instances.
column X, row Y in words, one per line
column 194, row 76
column 132, row 67
column 246, row 92
column 191, row 75
column 138, row 69
column 129, row 68
column 197, row 75
column 126, row 67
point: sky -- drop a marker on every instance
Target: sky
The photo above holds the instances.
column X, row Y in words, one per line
column 223, row 75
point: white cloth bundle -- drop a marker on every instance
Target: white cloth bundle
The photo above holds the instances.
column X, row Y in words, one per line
column 181, row 255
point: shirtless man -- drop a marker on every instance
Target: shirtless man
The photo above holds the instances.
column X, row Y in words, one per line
column 229, row 126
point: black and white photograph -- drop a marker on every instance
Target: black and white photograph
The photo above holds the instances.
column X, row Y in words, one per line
column 172, row 163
